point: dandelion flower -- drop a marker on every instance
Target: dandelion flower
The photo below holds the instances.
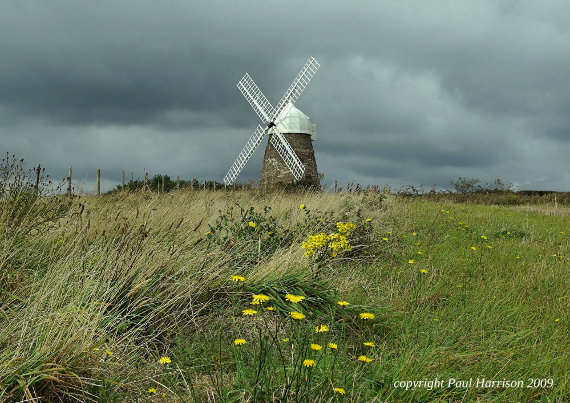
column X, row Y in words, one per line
column 369, row 344
column 152, row 390
column 414, row 234
column 269, row 308
column 309, row 363
column 260, row 298
column 340, row 391
column 316, row 347
column 239, row 342
column 411, row 261
column 164, row 360
column 423, row 271
column 368, row 219
column 294, row 298
column 286, row 339
column 237, row 279
column 321, row 328
column 343, row 303
column 96, row 349
column 483, row 236
column 249, row 312
column 109, row 353
column 302, row 206
column 251, row 224
column 366, row 315
column 489, row 246
column 557, row 320
column 364, row 358
column 459, row 286
column 474, row 248
column 420, row 252
column 297, row 315
column 333, row 346
column 384, row 239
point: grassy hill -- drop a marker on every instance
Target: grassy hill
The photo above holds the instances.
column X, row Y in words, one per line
column 140, row 296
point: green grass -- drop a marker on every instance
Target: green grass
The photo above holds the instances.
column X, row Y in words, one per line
column 90, row 302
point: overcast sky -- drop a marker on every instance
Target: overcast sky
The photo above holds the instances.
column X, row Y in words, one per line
column 409, row 92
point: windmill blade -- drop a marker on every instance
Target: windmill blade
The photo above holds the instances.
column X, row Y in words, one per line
column 244, row 155
column 287, row 154
column 298, row 85
column 256, row 99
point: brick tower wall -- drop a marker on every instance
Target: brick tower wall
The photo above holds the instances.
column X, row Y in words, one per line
column 274, row 170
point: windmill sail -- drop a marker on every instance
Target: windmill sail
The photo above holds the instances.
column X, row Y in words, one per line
column 298, row 85
column 256, row 99
column 287, row 154
column 244, row 155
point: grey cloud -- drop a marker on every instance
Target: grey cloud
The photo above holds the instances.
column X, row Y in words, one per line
column 407, row 92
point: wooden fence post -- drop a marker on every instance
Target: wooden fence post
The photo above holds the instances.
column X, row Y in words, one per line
column 162, row 176
column 204, row 184
column 69, row 183
column 38, row 170
column 98, row 182
column 335, row 186
column 123, row 182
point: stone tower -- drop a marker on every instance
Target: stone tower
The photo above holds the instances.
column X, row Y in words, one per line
column 300, row 133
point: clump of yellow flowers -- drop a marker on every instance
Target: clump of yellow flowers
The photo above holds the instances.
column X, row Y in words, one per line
column 336, row 241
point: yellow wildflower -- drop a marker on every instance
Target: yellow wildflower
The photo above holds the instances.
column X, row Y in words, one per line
column 459, row 286
column 321, row 328
column 302, row 206
column 557, row 320
column 369, row 344
column 411, row 261
column 340, row 391
column 368, row 219
column 343, row 303
column 364, row 358
column 420, row 252
column 333, row 346
column 483, row 236
column 423, row 271
column 249, row 312
column 239, row 342
column 252, row 224
column 237, row 279
column 260, row 298
column 316, row 347
column 309, row 363
column 294, row 298
column 152, row 390
column 286, row 339
column 269, row 308
column 345, row 227
column 164, row 360
column 297, row 315
column 384, row 239
column 109, row 353
column 414, row 234
column 366, row 315
column 474, row 248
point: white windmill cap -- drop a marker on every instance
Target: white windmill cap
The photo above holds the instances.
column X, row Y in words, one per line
column 295, row 121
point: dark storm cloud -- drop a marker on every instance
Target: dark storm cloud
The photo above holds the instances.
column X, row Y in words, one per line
column 408, row 92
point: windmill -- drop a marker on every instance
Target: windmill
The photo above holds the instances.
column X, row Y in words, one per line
column 277, row 120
